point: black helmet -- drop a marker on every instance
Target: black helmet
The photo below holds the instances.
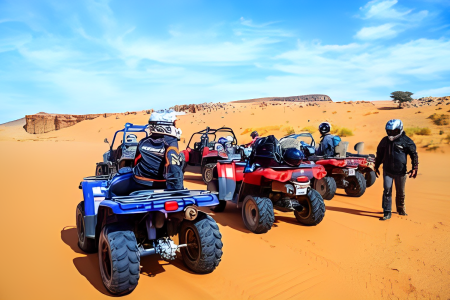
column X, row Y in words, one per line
column 254, row 134
column 324, row 127
column 293, row 156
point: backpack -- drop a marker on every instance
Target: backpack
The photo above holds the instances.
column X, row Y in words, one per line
column 336, row 140
column 266, row 152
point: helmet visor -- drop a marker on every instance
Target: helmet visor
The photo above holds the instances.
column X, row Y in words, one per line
column 393, row 132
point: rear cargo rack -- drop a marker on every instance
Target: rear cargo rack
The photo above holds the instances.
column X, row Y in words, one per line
column 142, row 196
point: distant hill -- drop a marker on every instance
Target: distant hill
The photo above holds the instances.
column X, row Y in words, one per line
column 303, row 98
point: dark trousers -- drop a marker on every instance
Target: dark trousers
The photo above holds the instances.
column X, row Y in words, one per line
column 388, row 182
column 124, row 184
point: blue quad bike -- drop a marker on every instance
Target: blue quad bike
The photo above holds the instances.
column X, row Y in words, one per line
column 122, row 229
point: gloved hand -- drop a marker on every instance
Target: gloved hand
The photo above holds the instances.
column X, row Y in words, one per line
column 377, row 172
column 412, row 173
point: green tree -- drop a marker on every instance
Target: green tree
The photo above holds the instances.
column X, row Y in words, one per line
column 401, row 97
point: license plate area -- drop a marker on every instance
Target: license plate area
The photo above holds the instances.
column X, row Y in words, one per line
column 301, row 191
column 351, row 172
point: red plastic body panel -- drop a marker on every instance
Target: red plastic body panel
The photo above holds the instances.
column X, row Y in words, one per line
column 239, row 172
column 209, row 153
column 186, row 154
column 355, row 162
column 226, row 171
column 319, row 172
column 333, row 162
column 255, row 177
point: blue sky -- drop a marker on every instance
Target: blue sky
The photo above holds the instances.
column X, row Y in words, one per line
column 90, row 56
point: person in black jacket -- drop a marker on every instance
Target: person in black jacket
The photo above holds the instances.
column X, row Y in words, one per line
column 157, row 163
column 392, row 153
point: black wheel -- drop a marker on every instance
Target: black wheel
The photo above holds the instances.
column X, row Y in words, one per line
column 84, row 243
column 119, row 259
column 220, row 207
column 98, row 170
column 370, row 178
column 356, row 185
column 257, row 213
column 326, row 187
column 204, row 245
column 208, row 172
column 313, row 209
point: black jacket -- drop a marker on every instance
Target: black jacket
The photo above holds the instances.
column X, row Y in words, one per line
column 159, row 161
column 393, row 155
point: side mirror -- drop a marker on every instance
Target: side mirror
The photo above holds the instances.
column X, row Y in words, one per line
column 106, row 141
column 359, row 147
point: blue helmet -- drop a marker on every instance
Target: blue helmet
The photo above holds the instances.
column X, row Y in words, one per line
column 394, row 129
column 222, row 141
column 293, row 156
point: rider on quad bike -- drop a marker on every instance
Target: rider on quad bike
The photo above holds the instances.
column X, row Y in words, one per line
column 328, row 141
column 255, row 136
column 157, row 163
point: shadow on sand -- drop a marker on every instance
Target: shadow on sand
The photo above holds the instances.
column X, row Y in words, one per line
column 88, row 265
column 232, row 217
column 388, row 108
column 194, row 178
column 356, row 212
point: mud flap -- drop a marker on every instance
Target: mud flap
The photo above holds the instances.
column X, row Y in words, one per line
column 227, row 180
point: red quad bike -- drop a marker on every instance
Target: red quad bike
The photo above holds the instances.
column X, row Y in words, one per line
column 204, row 151
column 287, row 189
column 348, row 171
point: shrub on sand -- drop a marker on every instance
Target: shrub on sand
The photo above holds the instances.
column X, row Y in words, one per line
column 447, row 138
column 341, row 131
column 290, row 130
column 439, row 119
column 417, row 130
column 310, row 129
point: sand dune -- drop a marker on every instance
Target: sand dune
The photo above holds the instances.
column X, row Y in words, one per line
column 350, row 255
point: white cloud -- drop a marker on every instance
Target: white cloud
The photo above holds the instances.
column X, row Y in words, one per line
column 383, row 10
column 376, row 32
column 399, row 20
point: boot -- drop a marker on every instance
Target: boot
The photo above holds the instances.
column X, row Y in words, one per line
column 402, row 212
column 387, row 216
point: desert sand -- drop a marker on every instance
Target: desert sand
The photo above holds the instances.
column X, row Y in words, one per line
column 350, row 255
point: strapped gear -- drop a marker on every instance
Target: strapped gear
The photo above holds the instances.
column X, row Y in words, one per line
column 394, row 129
column 324, row 128
column 293, row 157
column 266, row 152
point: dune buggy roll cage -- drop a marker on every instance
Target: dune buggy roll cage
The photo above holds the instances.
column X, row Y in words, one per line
column 127, row 129
column 302, row 134
column 213, row 132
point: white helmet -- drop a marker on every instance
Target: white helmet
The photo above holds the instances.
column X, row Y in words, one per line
column 394, row 129
column 163, row 122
